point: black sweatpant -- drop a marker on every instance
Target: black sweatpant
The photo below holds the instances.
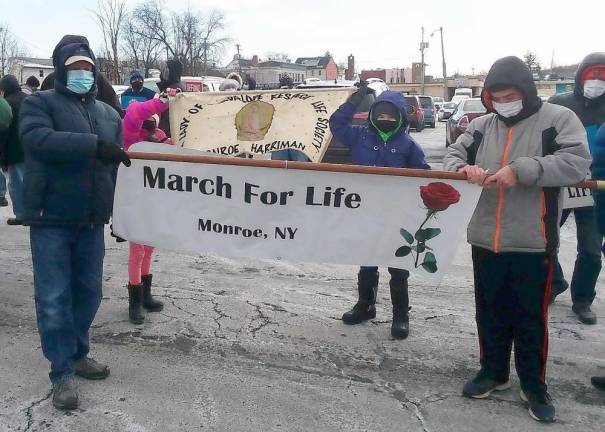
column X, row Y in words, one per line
column 512, row 293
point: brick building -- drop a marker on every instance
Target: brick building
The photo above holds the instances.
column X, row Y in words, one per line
column 324, row 68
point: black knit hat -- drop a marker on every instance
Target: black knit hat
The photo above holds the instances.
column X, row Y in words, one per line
column 385, row 107
column 32, row 81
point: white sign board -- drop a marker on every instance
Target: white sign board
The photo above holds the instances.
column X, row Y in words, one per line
column 293, row 214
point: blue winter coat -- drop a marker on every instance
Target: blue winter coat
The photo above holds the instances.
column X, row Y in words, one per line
column 598, row 172
column 130, row 96
column 366, row 145
column 64, row 182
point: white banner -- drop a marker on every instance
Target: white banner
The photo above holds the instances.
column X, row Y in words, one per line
column 296, row 215
column 574, row 197
column 256, row 123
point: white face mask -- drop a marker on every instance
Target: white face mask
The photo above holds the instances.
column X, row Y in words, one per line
column 594, row 88
column 508, row 109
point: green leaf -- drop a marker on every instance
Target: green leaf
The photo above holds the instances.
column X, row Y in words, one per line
column 430, row 257
column 407, row 236
column 427, row 234
column 430, row 267
column 403, row 251
column 430, row 263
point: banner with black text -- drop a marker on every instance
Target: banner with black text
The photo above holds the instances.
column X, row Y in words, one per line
column 294, row 214
column 256, row 123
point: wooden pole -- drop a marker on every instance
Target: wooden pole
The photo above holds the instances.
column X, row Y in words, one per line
column 307, row 166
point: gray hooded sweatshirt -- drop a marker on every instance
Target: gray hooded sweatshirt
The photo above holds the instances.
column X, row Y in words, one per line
column 546, row 147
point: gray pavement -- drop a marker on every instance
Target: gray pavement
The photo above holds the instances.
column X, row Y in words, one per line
column 257, row 345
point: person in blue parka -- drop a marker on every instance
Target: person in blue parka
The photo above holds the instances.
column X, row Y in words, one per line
column 383, row 142
column 598, row 173
column 72, row 144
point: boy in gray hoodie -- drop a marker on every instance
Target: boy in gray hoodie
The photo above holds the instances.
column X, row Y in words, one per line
column 522, row 152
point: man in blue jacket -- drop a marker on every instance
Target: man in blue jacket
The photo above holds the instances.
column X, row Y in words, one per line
column 72, row 147
column 137, row 92
column 598, row 173
column 588, row 102
column 383, row 142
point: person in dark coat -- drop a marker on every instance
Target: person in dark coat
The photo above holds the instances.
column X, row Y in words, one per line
column 105, row 92
column 32, row 84
column 72, row 144
column 588, row 102
column 6, row 118
column 383, row 142
column 137, row 92
column 12, row 150
column 598, row 173
column 171, row 78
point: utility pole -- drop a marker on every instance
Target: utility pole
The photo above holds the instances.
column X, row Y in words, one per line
column 422, row 47
column 239, row 60
column 445, row 91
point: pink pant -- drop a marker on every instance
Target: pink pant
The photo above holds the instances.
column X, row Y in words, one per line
column 139, row 262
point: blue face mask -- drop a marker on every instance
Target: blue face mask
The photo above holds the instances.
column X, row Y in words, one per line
column 80, row 81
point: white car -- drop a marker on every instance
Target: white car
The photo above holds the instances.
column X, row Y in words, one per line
column 446, row 111
column 190, row 84
column 119, row 89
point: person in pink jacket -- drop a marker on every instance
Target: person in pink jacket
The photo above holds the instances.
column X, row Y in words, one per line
column 141, row 124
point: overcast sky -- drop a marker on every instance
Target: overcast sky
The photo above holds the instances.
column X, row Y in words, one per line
column 385, row 35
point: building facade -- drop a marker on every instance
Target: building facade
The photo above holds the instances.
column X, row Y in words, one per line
column 324, row 68
column 24, row 67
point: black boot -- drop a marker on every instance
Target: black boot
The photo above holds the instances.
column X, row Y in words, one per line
column 135, row 301
column 149, row 303
column 364, row 309
column 401, row 303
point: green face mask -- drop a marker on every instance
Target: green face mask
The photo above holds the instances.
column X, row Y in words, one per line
column 385, row 128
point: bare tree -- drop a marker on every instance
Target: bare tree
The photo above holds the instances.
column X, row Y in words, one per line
column 532, row 61
column 188, row 36
column 213, row 43
column 9, row 48
column 109, row 15
column 139, row 44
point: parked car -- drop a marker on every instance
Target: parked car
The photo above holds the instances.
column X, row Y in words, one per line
column 428, row 108
column 467, row 110
column 438, row 101
column 415, row 114
column 190, row 84
column 119, row 89
column 446, row 111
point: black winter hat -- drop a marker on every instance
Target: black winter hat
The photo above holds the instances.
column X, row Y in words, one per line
column 32, row 81
column 385, row 107
column 9, row 85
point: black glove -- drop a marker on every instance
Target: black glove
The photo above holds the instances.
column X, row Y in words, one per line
column 110, row 153
column 362, row 91
column 117, row 237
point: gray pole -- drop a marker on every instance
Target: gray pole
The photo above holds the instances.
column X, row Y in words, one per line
column 239, row 60
column 445, row 91
column 422, row 63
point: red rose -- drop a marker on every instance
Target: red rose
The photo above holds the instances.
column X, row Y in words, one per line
column 438, row 196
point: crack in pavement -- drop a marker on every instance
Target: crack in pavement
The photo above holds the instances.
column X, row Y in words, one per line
column 265, row 320
column 410, row 404
column 29, row 415
column 217, row 320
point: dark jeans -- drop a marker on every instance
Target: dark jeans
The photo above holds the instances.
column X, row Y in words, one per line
column 15, row 188
column 588, row 261
column 512, row 292
column 68, row 273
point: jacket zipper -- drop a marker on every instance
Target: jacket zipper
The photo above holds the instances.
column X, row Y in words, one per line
column 94, row 166
column 499, row 208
